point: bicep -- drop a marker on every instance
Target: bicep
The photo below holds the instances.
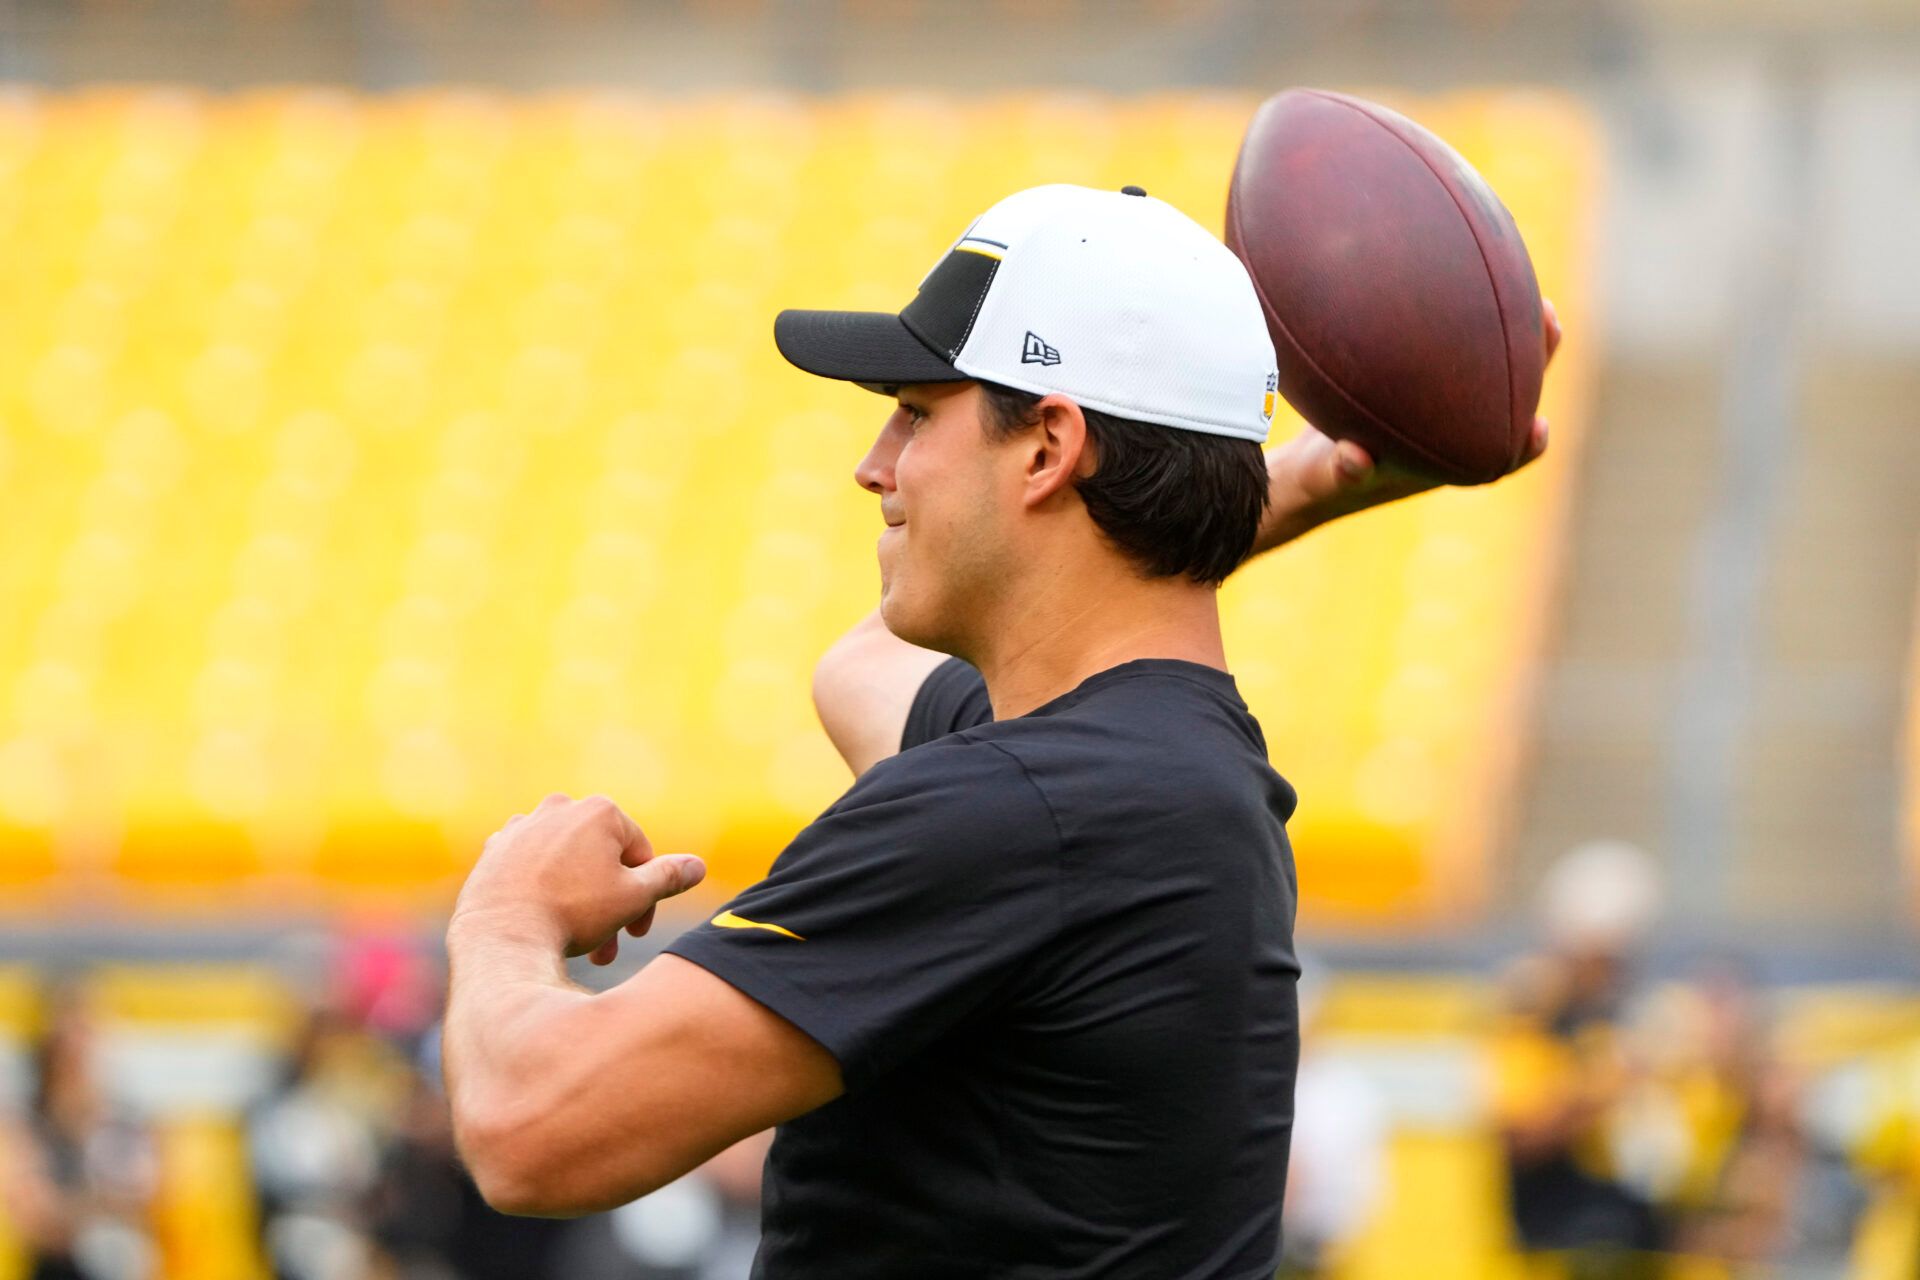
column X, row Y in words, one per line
column 660, row 1074
column 730, row 1064
column 863, row 688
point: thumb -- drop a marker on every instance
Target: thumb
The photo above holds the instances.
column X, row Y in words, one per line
column 659, row 878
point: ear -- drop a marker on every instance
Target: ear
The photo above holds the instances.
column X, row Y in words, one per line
column 1059, row 450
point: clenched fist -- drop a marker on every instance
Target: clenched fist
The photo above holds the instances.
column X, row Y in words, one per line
column 573, row 873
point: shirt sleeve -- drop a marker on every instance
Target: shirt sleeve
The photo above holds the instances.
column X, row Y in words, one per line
column 905, row 908
column 952, row 697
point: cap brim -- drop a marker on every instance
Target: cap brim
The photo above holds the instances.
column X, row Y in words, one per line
column 871, row 348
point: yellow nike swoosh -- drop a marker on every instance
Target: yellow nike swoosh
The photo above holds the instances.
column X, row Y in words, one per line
column 728, row 920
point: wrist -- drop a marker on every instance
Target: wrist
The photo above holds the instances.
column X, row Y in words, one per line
column 1280, row 528
column 1290, row 510
column 504, row 926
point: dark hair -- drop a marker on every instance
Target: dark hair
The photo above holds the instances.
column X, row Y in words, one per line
column 1173, row 501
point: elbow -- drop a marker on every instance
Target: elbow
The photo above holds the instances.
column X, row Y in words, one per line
column 495, row 1152
column 520, row 1167
column 830, row 699
column 846, row 665
column 506, row 1191
column 820, row 685
column 521, row 1193
column 520, row 1198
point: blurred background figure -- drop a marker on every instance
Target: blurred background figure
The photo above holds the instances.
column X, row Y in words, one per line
column 1572, row 1114
column 1764, row 1184
column 316, row 1145
column 1647, row 1123
column 79, row 1177
column 1336, row 1169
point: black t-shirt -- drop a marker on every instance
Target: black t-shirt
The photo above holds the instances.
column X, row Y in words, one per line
column 1053, row 956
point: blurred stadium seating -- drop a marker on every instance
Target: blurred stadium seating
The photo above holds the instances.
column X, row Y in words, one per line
column 375, row 466
column 193, row 1055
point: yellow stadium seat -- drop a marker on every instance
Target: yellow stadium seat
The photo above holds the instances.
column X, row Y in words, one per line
column 400, row 460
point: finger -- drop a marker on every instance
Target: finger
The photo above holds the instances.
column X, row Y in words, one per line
column 607, row 952
column 1552, row 318
column 635, row 848
column 662, row 878
column 553, row 801
column 1351, row 464
column 638, row 928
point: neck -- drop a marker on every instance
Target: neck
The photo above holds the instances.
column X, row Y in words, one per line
column 1052, row 637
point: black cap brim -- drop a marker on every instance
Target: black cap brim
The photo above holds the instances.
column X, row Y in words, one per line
column 872, row 348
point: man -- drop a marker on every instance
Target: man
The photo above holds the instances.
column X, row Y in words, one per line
column 1022, row 1000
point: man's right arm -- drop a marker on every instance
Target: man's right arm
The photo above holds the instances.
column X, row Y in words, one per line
column 863, row 688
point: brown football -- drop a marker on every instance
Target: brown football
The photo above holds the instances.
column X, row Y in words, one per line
column 1402, row 303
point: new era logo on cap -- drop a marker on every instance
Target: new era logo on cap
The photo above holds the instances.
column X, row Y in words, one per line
column 1038, row 352
column 1162, row 319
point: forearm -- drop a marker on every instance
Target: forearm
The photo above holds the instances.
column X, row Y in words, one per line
column 1290, row 512
column 509, row 1005
column 863, row 688
column 501, row 977
column 566, row 1101
column 1312, row 480
column 1291, row 509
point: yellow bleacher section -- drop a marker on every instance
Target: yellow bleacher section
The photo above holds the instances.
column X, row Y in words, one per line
column 370, row 467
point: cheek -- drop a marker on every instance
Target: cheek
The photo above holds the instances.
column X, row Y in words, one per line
column 950, row 500
column 960, row 540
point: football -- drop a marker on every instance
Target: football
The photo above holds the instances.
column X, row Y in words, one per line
column 1402, row 303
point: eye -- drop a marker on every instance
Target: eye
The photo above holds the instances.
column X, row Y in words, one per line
column 915, row 414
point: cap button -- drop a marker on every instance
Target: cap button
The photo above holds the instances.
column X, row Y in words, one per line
column 1133, row 191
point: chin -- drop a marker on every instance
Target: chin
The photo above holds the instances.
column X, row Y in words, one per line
column 894, row 616
column 906, row 623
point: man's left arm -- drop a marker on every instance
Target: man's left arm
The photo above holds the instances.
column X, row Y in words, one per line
column 566, row 1101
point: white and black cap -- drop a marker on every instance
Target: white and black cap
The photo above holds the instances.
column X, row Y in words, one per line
column 1112, row 298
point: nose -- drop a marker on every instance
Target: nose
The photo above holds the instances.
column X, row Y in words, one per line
column 875, row 472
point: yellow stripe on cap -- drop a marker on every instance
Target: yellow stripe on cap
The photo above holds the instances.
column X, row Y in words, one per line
column 728, row 920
